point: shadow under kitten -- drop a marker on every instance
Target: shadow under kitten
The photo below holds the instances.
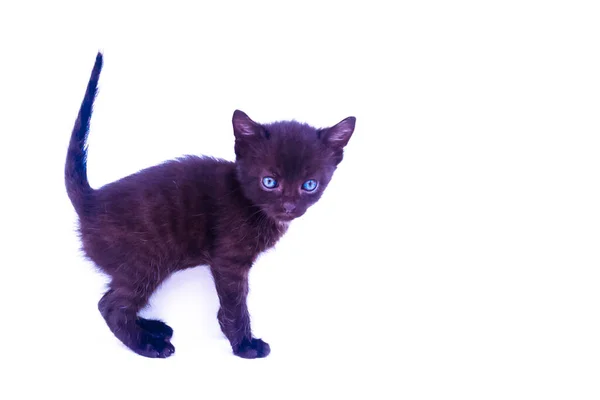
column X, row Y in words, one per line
column 197, row 210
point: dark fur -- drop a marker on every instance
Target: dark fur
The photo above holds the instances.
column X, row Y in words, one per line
column 192, row 211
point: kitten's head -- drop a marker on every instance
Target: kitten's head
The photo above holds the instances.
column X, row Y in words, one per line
column 284, row 167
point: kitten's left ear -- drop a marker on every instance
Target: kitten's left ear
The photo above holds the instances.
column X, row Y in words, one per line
column 338, row 135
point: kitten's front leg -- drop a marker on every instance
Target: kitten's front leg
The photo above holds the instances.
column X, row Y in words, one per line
column 231, row 281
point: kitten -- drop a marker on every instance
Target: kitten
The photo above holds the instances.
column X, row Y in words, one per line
column 197, row 210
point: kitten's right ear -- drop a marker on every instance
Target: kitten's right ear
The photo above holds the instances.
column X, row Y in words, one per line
column 243, row 126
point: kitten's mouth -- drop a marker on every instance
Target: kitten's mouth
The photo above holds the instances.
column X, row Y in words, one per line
column 285, row 217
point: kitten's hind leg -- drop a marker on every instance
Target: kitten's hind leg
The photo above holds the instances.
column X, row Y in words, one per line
column 119, row 307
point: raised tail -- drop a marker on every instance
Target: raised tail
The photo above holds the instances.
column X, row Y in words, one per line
column 76, row 181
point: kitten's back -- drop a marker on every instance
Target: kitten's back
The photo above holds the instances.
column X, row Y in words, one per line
column 167, row 211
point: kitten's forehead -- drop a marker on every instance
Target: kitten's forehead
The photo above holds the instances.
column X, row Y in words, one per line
column 296, row 149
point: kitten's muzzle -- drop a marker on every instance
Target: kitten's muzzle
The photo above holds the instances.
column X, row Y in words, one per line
column 286, row 212
column 288, row 208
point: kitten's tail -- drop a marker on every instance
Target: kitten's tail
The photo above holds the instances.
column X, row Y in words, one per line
column 76, row 181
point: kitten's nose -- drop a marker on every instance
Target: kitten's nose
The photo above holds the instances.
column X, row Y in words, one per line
column 289, row 207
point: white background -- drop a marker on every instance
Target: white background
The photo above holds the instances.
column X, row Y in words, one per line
column 455, row 254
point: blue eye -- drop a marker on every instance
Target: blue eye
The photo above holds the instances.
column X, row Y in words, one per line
column 310, row 185
column 269, row 182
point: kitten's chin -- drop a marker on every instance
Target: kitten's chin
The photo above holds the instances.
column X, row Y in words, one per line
column 283, row 224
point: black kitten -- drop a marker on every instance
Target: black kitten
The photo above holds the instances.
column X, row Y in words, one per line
column 197, row 210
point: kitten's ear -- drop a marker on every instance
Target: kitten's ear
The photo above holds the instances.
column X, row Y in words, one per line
column 338, row 135
column 243, row 126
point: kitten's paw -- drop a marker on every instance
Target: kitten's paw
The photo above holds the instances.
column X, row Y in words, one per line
column 254, row 348
column 156, row 328
column 154, row 339
column 153, row 346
